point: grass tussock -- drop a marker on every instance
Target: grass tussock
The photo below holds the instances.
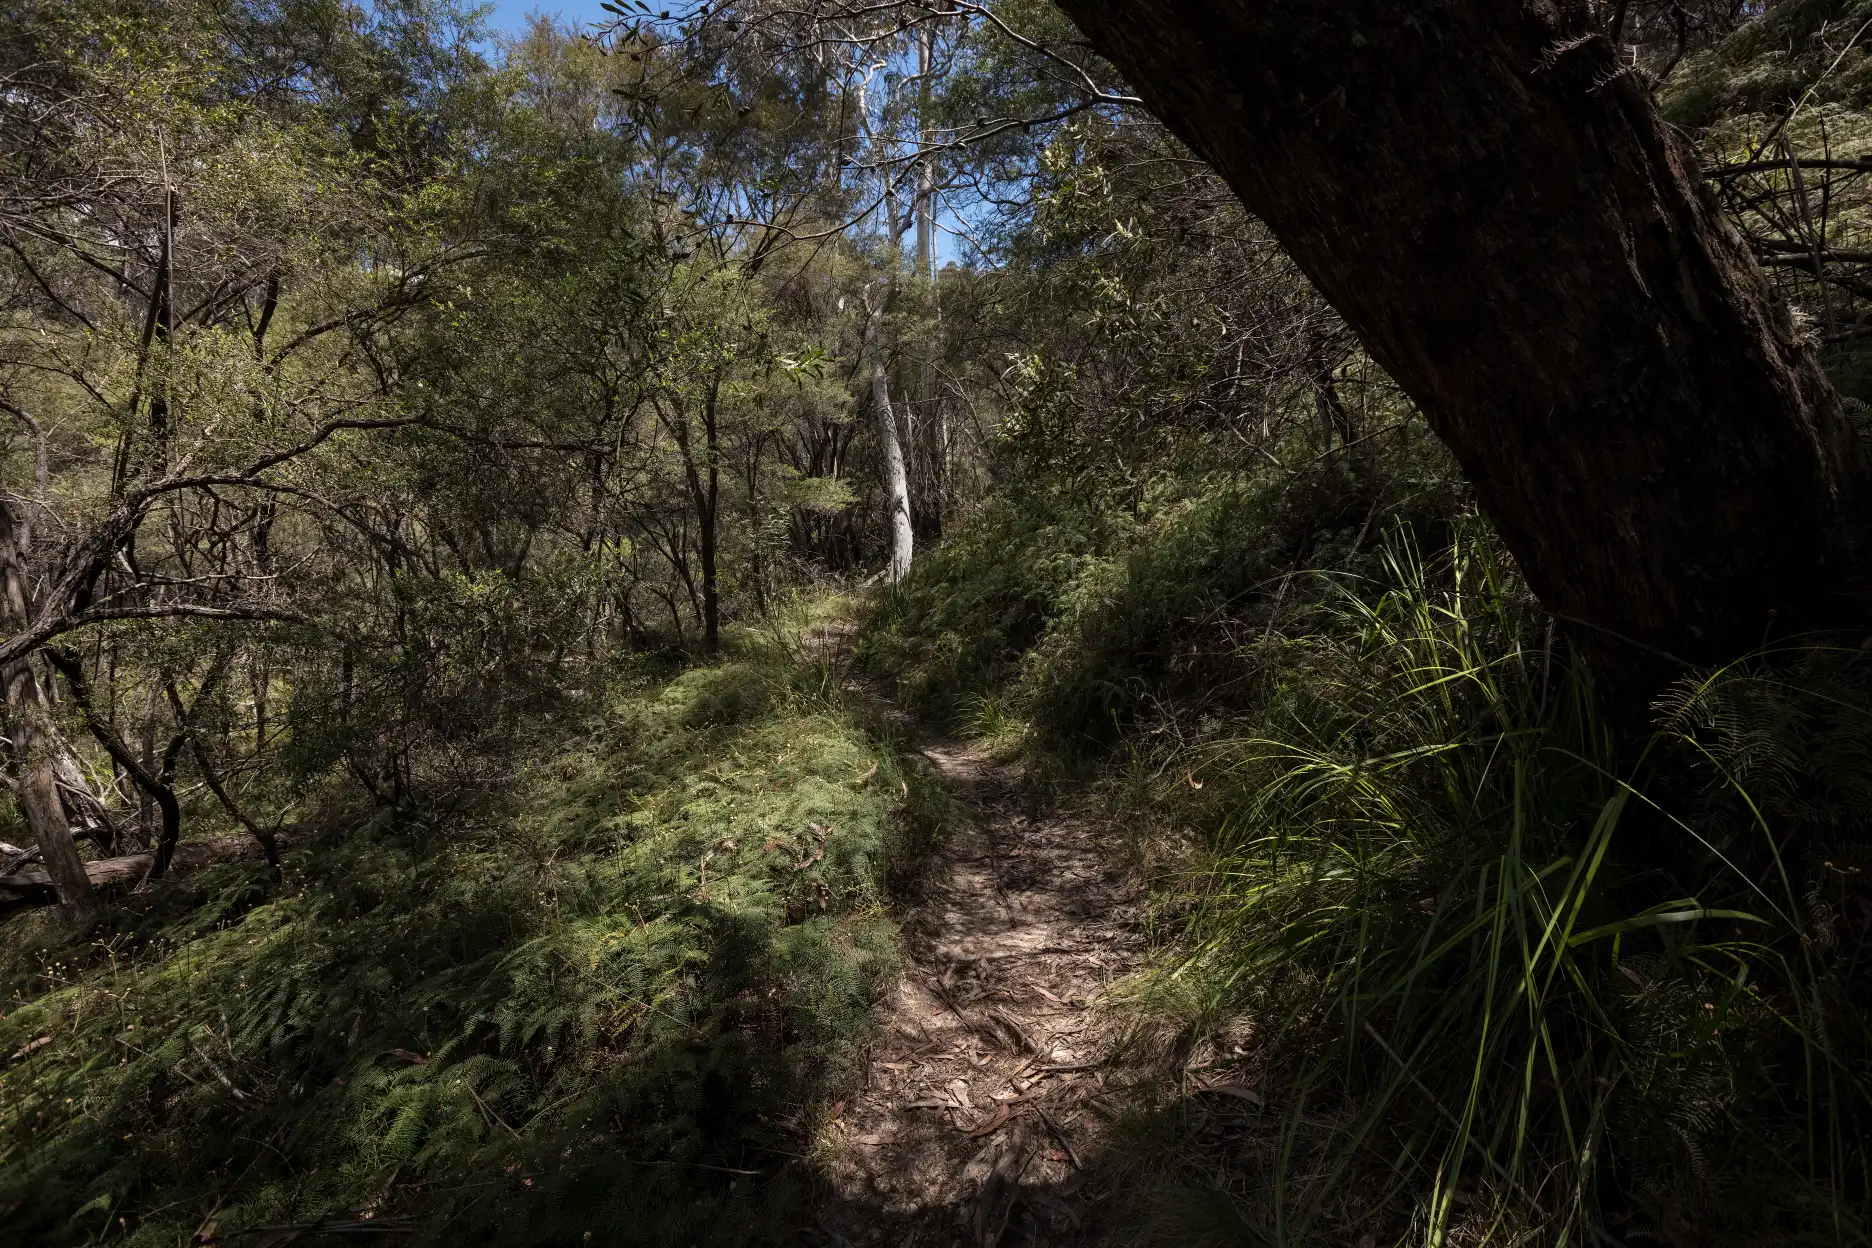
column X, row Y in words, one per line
column 608, row 1007
column 1498, row 976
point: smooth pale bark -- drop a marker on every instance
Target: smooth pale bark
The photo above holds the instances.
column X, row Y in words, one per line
column 36, row 743
column 1497, row 211
column 933, row 418
column 896, row 481
column 926, row 164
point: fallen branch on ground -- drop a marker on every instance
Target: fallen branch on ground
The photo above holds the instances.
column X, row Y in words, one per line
column 27, row 890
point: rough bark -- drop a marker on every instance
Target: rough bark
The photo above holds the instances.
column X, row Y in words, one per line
column 896, row 481
column 1498, row 212
column 36, row 744
column 35, row 777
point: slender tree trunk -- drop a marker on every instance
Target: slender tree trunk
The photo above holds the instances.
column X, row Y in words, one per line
column 36, row 742
column 704, row 480
column 147, row 813
column 896, row 482
column 1328, row 408
column 708, row 505
column 155, row 786
column 261, row 679
column 269, row 844
column 928, row 409
column 1495, row 208
column 926, row 164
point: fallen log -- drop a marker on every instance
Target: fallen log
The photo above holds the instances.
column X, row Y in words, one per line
column 27, row 890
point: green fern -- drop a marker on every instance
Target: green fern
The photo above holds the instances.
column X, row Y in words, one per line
column 598, row 1000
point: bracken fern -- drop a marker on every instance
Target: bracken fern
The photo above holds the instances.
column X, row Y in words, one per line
column 588, row 1010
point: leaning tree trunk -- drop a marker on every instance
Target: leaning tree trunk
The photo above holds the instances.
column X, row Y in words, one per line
column 896, row 481
column 37, row 746
column 1494, row 206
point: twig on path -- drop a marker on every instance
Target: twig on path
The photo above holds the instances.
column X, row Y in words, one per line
column 1064, row 1143
column 693, row 1165
column 292, row 1233
column 942, row 993
column 981, row 1029
column 1021, row 1040
column 995, row 1121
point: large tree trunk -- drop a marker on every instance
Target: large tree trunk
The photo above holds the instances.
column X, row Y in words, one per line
column 890, row 447
column 35, row 777
column 1499, row 214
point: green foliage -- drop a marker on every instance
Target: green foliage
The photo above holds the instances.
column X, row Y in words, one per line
column 1438, row 891
column 1411, row 838
column 1113, row 375
column 538, row 381
column 1170, row 617
column 1088, row 616
column 959, row 625
column 1499, row 976
column 588, row 1013
column 1795, row 49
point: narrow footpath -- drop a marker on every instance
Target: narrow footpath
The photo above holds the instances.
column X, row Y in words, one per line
column 986, row 1093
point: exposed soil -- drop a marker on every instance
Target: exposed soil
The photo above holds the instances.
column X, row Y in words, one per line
column 986, row 1091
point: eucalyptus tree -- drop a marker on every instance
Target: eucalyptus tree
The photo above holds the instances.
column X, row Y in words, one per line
column 1487, row 194
column 862, row 176
column 1608, row 283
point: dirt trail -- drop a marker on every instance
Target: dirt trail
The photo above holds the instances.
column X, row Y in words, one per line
column 983, row 1098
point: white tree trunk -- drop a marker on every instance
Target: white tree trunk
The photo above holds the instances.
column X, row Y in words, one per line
column 926, row 164
column 925, row 405
column 896, row 481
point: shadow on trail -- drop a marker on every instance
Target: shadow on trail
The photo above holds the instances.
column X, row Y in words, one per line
column 982, row 1117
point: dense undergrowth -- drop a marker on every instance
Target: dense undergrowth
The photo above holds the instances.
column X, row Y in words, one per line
column 1500, row 974
column 1094, row 617
column 610, row 1004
